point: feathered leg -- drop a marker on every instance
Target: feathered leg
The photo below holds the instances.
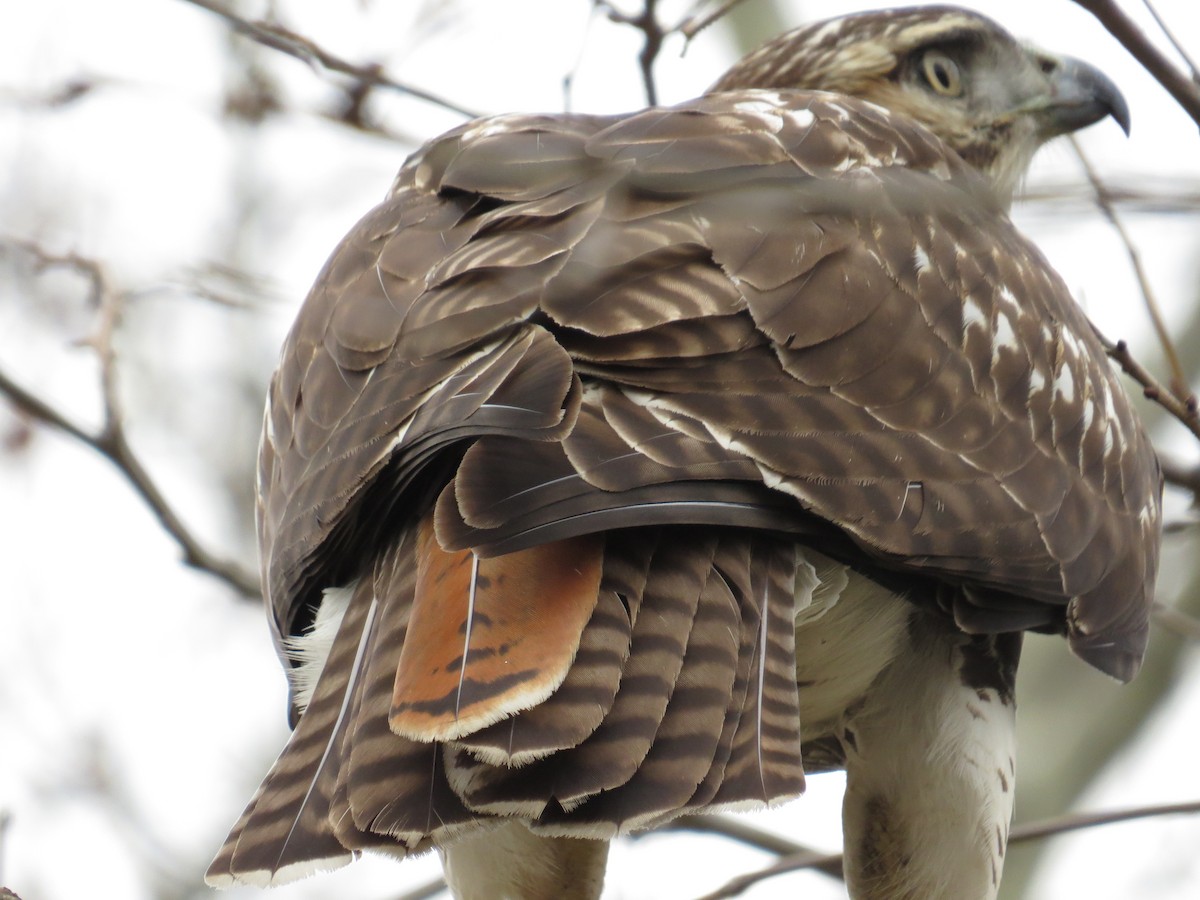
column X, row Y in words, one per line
column 512, row 863
column 930, row 766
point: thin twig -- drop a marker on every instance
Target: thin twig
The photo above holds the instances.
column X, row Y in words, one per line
column 1185, row 91
column 1029, row 831
column 1176, row 621
column 1179, row 48
column 738, row 830
column 810, row 860
column 1185, row 412
column 653, row 34
column 111, row 441
column 1064, row 824
column 1179, row 385
column 308, row 51
column 1182, row 475
column 695, row 23
column 1172, row 196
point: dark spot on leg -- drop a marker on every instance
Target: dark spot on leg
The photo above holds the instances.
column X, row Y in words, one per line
column 850, row 739
column 883, row 851
column 989, row 661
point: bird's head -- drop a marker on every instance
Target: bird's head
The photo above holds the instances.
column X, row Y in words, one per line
column 992, row 99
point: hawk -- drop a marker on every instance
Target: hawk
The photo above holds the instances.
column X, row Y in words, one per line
column 619, row 467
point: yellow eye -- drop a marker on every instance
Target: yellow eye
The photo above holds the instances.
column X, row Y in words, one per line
column 942, row 73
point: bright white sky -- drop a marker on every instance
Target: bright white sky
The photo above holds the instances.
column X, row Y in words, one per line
column 115, row 662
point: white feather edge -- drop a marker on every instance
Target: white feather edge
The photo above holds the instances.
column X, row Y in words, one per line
column 311, row 649
column 265, row 878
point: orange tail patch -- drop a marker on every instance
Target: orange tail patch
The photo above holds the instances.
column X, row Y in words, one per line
column 488, row 638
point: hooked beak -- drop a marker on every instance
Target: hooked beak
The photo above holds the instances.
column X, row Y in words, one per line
column 1080, row 95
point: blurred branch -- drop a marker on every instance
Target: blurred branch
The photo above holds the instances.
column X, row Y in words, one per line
column 1179, row 385
column 1176, row 620
column 1182, row 475
column 57, row 96
column 111, row 440
column 796, row 857
column 1185, row 91
column 1179, row 48
column 1178, row 400
column 1185, row 412
column 1166, row 196
column 737, row 830
column 1030, row 831
column 697, row 22
column 306, row 50
column 653, row 32
column 724, row 826
column 806, row 860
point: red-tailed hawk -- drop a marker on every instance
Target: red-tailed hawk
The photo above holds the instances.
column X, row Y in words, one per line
column 621, row 467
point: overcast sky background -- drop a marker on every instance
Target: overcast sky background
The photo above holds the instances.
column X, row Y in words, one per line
column 140, row 702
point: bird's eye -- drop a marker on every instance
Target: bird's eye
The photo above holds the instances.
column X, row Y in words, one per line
column 942, row 73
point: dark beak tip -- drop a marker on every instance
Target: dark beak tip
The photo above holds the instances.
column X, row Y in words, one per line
column 1120, row 113
column 1114, row 102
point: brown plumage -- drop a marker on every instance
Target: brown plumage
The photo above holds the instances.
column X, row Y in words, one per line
column 626, row 466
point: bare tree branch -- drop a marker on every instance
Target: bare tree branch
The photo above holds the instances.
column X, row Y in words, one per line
column 1030, row 831
column 1185, row 412
column 806, row 860
column 111, row 440
column 696, row 22
column 1179, row 385
column 737, row 830
column 1176, row 621
column 653, row 32
column 796, row 857
column 1169, row 197
column 1185, row 91
column 368, row 76
column 1179, row 48
column 1182, row 475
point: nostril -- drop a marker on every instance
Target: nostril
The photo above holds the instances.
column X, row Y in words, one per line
column 1048, row 66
